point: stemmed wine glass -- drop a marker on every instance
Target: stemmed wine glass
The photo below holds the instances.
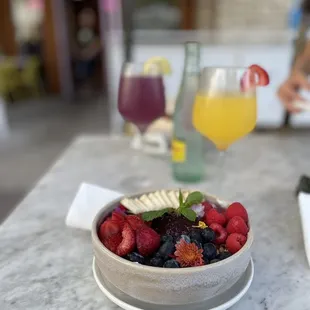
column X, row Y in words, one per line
column 141, row 101
column 225, row 105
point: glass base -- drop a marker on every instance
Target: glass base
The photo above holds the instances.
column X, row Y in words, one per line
column 136, row 182
column 188, row 178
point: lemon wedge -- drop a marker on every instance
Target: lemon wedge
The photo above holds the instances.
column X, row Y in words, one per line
column 161, row 62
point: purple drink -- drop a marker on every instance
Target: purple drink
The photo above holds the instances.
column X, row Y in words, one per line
column 141, row 99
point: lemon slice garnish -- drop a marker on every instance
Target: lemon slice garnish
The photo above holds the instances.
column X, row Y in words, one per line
column 160, row 62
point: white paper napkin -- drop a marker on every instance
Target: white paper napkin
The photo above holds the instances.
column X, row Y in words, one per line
column 86, row 204
column 304, row 210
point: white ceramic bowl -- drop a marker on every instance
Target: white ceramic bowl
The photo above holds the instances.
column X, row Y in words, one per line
column 163, row 285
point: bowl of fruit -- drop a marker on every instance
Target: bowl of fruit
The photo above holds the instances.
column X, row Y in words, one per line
column 172, row 247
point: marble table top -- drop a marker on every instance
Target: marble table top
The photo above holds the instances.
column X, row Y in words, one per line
column 46, row 265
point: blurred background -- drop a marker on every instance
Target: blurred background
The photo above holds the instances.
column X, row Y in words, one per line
column 60, row 63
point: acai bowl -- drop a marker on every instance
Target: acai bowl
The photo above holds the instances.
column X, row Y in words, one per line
column 172, row 247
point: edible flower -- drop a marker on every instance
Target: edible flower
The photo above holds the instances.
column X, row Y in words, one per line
column 188, row 254
column 201, row 225
column 199, row 210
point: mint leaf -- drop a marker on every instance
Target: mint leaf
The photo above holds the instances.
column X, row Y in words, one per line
column 151, row 215
column 181, row 199
column 189, row 214
column 193, row 198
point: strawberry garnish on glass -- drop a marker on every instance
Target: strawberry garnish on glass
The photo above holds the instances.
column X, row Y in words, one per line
column 254, row 77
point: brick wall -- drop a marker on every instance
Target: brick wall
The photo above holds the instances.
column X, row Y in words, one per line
column 242, row 14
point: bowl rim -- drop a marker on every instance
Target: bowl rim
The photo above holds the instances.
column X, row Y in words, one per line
column 99, row 245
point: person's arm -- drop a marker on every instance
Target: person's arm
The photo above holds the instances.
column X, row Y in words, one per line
column 302, row 62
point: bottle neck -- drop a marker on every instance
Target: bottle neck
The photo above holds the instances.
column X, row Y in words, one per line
column 192, row 59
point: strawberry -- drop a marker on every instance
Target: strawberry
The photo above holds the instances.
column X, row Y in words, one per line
column 263, row 77
column 235, row 242
column 108, row 228
column 119, row 218
column 148, row 240
column 213, row 216
column 237, row 209
column 237, row 225
column 113, row 242
column 253, row 77
column 135, row 222
column 128, row 241
column 221, row 233
column 207, row 206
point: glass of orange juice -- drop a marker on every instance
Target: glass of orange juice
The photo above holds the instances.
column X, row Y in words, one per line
column 224, row 110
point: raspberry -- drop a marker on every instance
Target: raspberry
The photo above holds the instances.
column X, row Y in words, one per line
column 207, row 206
column 235, row 242
column 221, row 233
column 213, row 216
column 237, row 225
column 237, row 209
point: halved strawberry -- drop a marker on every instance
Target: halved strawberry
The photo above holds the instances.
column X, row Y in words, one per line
column 128, row 242
column 119, row 218
column 253, row 77
column 263, row 77
column 113, row 242
column 148, row 241
column 108, row 228
column 135, row 221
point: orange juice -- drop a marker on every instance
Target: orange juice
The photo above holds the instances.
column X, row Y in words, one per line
column 224, row 118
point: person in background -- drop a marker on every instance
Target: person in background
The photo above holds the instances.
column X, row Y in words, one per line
column 289, row 90
column 87, row 48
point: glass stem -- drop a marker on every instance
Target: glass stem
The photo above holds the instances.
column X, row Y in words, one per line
column 137, row 155
column 221, row 172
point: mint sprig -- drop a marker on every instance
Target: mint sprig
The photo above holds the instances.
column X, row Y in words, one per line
column 185, row 206
column 193, row 199
column 151, row 215
column 183, row 209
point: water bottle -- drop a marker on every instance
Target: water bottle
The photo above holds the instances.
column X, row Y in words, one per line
column 188, row 162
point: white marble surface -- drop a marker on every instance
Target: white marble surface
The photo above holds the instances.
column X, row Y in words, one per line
column 45, row 265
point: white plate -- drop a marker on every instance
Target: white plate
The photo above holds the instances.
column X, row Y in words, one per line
column 221, row 302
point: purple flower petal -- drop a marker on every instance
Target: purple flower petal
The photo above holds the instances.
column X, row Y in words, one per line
column 198, row 209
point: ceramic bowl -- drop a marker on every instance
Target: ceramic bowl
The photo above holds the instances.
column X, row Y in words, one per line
column 163, row 285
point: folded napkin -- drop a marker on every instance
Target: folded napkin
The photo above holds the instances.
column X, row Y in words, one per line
column 303, row 193
column 304, row 210
column 86, row 204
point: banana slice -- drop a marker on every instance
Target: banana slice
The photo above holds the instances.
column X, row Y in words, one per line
column 154, row 201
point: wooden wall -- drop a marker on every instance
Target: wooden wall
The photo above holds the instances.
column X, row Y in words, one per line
column 50, row 59
column 7, row 33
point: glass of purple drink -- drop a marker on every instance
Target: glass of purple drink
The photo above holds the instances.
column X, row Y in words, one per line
column 141, row 101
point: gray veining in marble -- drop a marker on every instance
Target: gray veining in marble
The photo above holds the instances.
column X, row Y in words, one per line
column 45, row 265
